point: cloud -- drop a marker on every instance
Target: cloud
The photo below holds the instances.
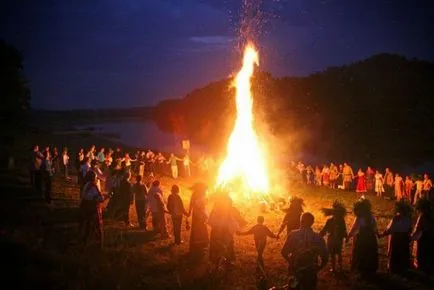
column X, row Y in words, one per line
column 212, row 40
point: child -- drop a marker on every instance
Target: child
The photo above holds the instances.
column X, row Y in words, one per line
column 260, row 233
column 336, row 229
column 176, row 210
column 140, row 193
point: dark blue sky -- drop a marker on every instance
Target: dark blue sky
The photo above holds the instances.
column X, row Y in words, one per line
column 121, row 53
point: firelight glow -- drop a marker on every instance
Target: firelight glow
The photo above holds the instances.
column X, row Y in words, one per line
column 245, row 161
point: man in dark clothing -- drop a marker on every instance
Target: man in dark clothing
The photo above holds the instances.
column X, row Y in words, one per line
column 140, row 192
column 301, row 250
column 176, row 209
column 126, row 198
column 36, row 175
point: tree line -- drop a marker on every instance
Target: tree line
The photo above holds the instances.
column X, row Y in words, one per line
column 377, row 111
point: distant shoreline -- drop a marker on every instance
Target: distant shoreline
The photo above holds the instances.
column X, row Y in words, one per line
column 68, row 120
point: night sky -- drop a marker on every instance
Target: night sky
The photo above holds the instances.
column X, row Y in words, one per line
column 122, row 53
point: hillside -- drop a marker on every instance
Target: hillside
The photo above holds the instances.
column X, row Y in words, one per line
column 71, row 118
column 377, row 111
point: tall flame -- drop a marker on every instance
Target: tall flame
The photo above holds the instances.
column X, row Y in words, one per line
column 244, row 159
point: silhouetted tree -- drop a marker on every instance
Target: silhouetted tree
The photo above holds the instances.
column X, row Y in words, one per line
column 14, row 92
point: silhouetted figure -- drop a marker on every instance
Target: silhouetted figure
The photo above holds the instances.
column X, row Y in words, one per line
column 199, row 238
column 291, row 221
column 175, row 206
column 140, row 196
column 47, row 171
column 301, row 250
column 125, row 198
column 399, row 231
column 260, row 233
column 365, row 246
column 424, row 236
column 336, row 230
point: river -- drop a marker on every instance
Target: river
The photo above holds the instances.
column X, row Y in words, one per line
column 143, row 134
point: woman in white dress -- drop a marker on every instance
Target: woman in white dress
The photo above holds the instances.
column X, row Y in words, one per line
column 379, row 181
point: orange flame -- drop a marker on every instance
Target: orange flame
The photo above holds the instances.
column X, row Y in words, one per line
column 245, row 160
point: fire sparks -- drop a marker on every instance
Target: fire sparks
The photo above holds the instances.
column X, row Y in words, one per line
column 245, row 161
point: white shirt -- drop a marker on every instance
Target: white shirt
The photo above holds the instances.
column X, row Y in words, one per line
column 155, row 199
column 186, row 161
column 99, row 176
column 65, row 159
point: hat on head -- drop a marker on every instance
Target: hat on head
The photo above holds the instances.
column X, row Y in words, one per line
column 338, row 209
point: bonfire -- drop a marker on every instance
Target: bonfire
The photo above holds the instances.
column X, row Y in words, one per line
column 244, row 169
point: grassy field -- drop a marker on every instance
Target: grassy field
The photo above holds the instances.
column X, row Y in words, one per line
column 41, row 248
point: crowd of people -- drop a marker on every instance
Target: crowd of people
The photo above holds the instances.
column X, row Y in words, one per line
column 127, row 181
column 106, row 163
column 388, row 184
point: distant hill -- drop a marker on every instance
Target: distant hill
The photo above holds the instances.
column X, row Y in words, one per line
column 378, row 111
column 76, row 117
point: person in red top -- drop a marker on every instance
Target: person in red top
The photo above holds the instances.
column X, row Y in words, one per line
column 260, row 233
column 361, row 182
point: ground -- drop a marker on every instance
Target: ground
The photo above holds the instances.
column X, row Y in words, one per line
column 41, row 248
